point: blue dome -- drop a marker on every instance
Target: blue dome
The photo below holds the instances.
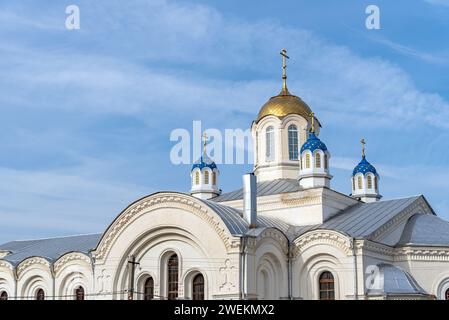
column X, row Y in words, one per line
column 313, row 143
column 204, row 162
column 364, row 167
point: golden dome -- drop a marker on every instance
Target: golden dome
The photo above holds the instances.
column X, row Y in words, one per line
column 284, row 104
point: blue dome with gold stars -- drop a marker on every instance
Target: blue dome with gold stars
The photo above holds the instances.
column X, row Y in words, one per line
column 313, row 143
column 364, row 167
column 204, row 162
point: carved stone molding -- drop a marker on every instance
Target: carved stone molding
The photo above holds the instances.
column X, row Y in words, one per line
column 164, row 200
column 5, row 264
column 73, row 256
column 276, row 235
column 322, row 237
column 33, row 261
column 421, row 254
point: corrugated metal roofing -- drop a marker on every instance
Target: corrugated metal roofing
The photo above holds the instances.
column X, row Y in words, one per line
column 50, row 249
column 425, row 229
column 264, row 188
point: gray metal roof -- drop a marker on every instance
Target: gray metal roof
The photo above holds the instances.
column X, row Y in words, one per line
column 362, row 219
column 50, row 249
column 264, row 188
column 425, row 229
column 233, row 218
column 392, row 280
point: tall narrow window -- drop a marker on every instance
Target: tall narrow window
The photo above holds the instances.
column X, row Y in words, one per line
column 214, row 178
column 326, row 163
column 293, row 142
column 269, row 137
column 206, row 177
column 300, row 162
column 353, row 183
column 317, row 160
column 148, row 289
column 198, row 287
column 375, row 183
column 369, row 180
column 172, row 280
column 197, row 177
column 4, row 295
column 327, row 286
column 447, row 294
column 40, row 294
column 79, row 293
column 307, row 161
column 359, row 182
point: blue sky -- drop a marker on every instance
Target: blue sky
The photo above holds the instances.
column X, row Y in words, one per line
column 86, row 114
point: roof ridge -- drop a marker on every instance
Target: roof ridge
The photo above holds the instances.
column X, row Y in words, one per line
column 57, row 237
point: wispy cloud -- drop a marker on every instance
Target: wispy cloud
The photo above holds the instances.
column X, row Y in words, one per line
column 162, row 64
column 438, row 2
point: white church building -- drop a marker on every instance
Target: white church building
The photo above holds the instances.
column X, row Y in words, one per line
column 286, row 234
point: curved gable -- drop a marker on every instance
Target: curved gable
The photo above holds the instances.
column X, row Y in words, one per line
column 226, row 221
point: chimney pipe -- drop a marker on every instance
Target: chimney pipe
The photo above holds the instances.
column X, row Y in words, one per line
column 250, row 199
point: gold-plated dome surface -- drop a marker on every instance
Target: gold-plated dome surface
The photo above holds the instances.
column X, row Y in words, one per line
column 284, row 104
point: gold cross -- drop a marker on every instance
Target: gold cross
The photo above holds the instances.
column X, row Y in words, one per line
column 363, row 147
column 312, row 119
column 283, row 53
column 204, row 142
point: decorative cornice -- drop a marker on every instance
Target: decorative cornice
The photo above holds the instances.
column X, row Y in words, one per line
column 72, row 256
column 373, row 247
column 163, row 200
column 421, row 253
column 329, row 237
column 33, row 261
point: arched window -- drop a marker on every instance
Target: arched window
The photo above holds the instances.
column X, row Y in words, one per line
column 300, row 162
column 269, row 137
column 4, row 295
column 359, row 182
column 79, row 293
column 197, row 177
column 198, row 287
column 446, row 296
column 214, row 178
column 317, row 160
column 369, row 180
column 375, row 183
column 206, row 177
column 326, row 163
column 40, row 294
column 148, row 289
column 327, row 286
column 307, row 161
column 353, row 183
column 293, row 142
column 172, row 280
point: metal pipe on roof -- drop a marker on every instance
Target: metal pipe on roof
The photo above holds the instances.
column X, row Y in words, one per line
column 250, row 199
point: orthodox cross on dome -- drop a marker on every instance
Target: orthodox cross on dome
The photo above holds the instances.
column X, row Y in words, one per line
column 312, row 122
column 363, row 142
column 283, row 53
column 204, row 142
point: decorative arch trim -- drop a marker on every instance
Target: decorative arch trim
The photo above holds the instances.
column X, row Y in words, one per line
column 162, row 200
column 329, row 237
